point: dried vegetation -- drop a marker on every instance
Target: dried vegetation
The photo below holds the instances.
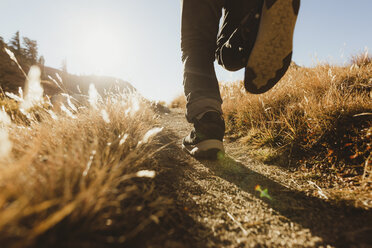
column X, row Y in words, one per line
column 178, row 102
column 316, row 120
column 79, row 176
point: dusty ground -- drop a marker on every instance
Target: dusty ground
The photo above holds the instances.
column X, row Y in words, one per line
column 218, row 206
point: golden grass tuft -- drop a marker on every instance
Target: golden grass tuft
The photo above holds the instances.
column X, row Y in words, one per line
column 178, row 102
column 361, row 59
column 73, row 180
column 318, row 118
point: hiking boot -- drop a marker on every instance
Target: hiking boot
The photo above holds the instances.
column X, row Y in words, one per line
column 272, row 51
column 205, row 141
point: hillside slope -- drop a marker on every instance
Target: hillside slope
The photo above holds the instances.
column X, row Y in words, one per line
column 54, row 80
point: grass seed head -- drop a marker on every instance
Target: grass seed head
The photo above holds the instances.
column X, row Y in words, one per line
column 33, row 90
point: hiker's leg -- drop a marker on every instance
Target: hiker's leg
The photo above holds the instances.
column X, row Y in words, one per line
column 200, row 24
column 238, row 33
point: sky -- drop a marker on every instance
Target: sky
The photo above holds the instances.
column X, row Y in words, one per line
column 139, row 40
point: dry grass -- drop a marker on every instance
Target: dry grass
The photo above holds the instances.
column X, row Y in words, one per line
column 178, row 102
column 72, row 179
column 317, row 118
column 76, row 173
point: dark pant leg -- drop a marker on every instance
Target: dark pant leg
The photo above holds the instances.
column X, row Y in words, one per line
column 238, row 14
column 200, row 25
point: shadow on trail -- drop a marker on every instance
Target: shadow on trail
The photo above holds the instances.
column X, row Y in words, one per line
column 342, row 226
column 177, row 228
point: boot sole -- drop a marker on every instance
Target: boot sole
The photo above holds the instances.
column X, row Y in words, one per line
column 207, row 149
column 272, row 52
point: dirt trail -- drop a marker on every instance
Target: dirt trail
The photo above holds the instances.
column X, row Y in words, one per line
column 219, row 206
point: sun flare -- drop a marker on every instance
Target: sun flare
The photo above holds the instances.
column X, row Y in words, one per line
column 98, row 49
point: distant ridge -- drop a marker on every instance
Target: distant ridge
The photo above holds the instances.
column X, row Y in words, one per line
column 80, row 83
column 11, row 78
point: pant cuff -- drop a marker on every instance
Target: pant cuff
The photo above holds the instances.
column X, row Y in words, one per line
column 200, row 106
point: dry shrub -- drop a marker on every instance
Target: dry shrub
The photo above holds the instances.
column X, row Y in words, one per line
column 159, row 107
column 318, row 117
column 73, row 180
column 178, row 102
column 361, row 59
